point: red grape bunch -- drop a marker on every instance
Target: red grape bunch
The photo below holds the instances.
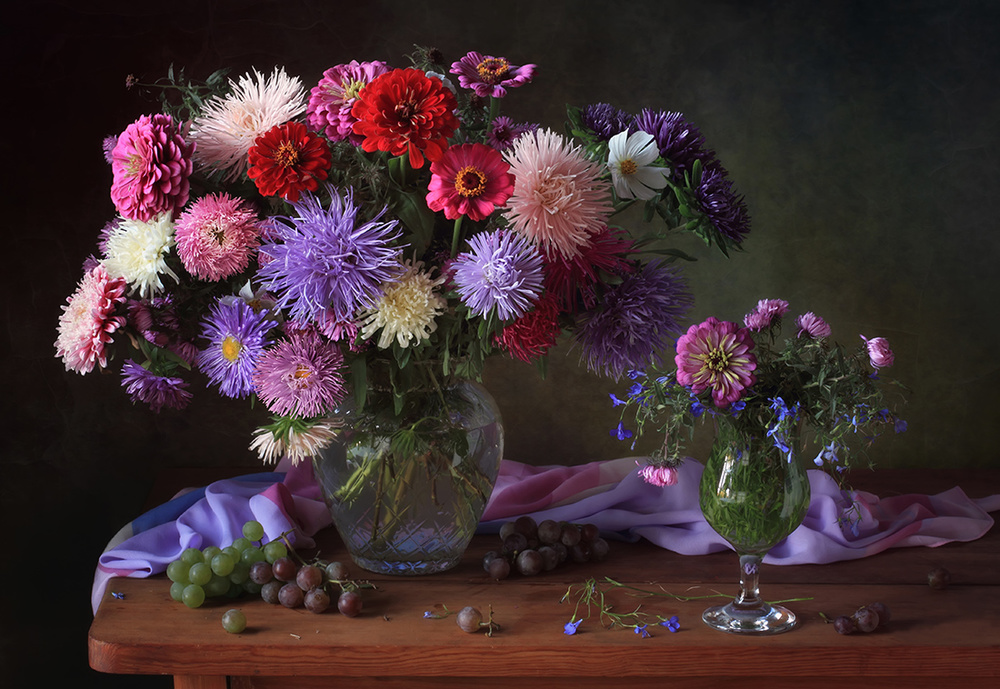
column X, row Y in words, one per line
column 530, row 548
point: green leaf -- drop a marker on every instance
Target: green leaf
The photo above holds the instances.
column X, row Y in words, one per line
column 411, row 208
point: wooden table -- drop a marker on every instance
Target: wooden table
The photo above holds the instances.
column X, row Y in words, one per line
column 938, row 639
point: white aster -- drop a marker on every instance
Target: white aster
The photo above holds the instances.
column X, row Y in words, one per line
column 297, row 443
column 137, row 251
column 630, row 157
column 225, row 130
column 407, row 309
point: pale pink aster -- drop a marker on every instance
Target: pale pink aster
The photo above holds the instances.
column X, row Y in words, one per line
column 228, row 125
column 559, row 198
column 879, row 353
column 216, row 236
column 151, row 163
column 812, row 326
column 297, row 441
column 301, row 375
column 765, row 314
column 658, row 475
column 330, row 102
column 88, row 321
column 716, row 355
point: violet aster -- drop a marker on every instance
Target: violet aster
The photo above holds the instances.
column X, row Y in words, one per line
column 812, row 326
column 157, row 391
column 634, row 320
column 680, row 142
column 301, row 375
column 725, row 209
column 502, row 270
column 605, row 120
column 325, row 258
column 490, row 76
column 237, row 335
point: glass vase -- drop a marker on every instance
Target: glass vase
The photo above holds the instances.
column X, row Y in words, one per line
column 409, row 478
column 753, row 494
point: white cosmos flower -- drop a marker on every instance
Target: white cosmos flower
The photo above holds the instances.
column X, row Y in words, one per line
column 630, row 157
column 137, row 251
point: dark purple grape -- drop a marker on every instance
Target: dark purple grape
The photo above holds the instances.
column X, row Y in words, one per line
column 309, row 577
column 316, row 600
column 499, row 568
column 337, row 571
column 506, row 529
column 866, row 619
column 261, row 572
column 284, row 569
column 939, row 578
column 526, row 525
column 588, row 532
column 550, row 557
column 468, row 619
column 599, row 549
column 349, row 603
column 529, row 562
column 290, row 595
column 845, row 625
column 882, row 610
column 580, row 552
column 570, row 535
column 514, row 543
column 561, row 550
column 490, row 557
column 549, row 531
column 269, row 591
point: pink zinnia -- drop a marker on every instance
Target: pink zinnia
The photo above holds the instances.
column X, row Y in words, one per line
column 151, row 164
column 764, row 315
column 716, row 355
column 301, row 375
column 329, row 109
column 560, row 199
column 88, row 321
column 812, row 326
column 470, row 180
column 216, row 236
column 879, row 353
column 490, row 76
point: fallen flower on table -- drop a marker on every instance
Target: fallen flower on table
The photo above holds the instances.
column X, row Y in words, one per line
column 592, row 595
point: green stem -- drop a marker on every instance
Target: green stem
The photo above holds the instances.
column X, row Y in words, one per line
column 456, row 236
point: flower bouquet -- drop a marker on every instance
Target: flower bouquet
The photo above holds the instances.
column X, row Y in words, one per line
column 333, row 254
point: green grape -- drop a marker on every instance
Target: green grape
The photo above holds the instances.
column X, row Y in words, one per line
column 200, row 574
column 216, row 586
column 193, row 596
column 253, row 530
column 274, row 551
column 240, row 573
column 211, row 551
column 251, row 555
column 177, row 591
column 234, row 621
column 191, row 556
column 232, row 552
column 242, row 543
column 177, row 571
column 222, row 564
column 249, row 586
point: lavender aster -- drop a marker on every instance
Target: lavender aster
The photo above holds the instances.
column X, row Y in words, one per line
column 301, row 375
column 635, row 320
column 502, row 270
column 327, row 259
column 236, row 335
column 158, row 392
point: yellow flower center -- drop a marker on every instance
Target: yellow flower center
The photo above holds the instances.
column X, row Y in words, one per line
column 287, row 154
column 628, row 167
column 470, row 182
column 231, row 348
column 493, row 70
column 717, row 360
column 351, row 88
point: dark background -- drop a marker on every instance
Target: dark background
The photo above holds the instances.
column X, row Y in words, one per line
column 863, row 135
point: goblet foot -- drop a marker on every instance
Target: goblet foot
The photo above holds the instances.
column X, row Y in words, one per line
column 759, row 619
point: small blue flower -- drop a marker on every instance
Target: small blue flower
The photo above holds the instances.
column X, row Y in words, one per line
column 900, row 426
column 697, row 408
column 621, row 432
column 673, row 624
column 635, row 374
column 118, row 595
column 635, row 390
column 571, row 627
column 640, row 629
column 615, row 402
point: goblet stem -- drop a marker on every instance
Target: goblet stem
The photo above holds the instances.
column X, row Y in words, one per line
column 749, row 598
column 748, row 613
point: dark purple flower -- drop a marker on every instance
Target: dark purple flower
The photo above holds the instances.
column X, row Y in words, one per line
column 724, row 208
column 237, row 336
column 158, row 392
column 504, row 132
column 605, row 120
column 680, row 142
column 326, row 259
column 634, row 320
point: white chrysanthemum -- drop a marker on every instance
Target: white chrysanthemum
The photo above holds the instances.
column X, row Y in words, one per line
column 407, row 309
column 137, row 251
column 227, row 126
column 630, row 157
column 298, row 445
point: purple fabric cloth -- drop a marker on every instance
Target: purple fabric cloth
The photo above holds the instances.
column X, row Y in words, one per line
column 610, row 494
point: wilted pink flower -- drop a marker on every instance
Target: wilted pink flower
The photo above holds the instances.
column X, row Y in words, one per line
column 151, row 163
column 658, row 476
column 716, row 355
column 762, row 317
column 812, row 326
column 878, row 352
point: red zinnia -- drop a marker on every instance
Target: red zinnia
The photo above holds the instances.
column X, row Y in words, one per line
column 287, row 160
column 532, row 335
column 406, row 111
column 469, row 179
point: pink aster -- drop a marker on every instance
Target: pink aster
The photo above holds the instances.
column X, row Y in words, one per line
column 765, row 314
column 658, row 475
column 470, row 180
column 88, row 320
column 151, row 163
column 216, row 236
column 879, row 353
column 301, row 375
column 812, row 326
column 330, row 102
column 716, row 355
column 560, row 199
column 490, row 76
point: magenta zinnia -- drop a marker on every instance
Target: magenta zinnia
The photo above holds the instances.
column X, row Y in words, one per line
column 301, row 376
column 560, row 199
column 151, row 163
column 716, row 355
column 470, row 180
column 216, row 236
column 490, row 77
column 333, row 97
column 88, row 320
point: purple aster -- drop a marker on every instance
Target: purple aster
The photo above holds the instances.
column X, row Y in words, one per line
column 301, row 375
column 502, row 270
column 812, row 326
column 490, row 76
column 605, row 120
column 158, row 392
column 679, row 141
column 768, row 312
column 724, row 208
column 634, row 320
column 504, row 132
column 325, row 259
column 236, row 335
